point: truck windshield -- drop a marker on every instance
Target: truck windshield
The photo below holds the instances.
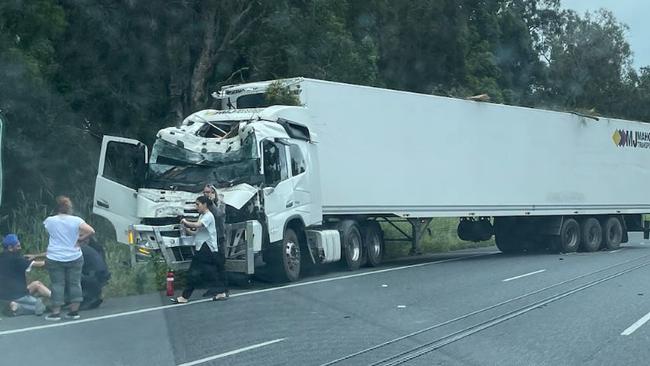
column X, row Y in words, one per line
column 174, row 167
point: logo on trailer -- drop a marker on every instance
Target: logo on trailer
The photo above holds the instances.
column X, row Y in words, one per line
column 626, row 138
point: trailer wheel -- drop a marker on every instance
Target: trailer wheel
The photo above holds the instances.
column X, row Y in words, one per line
column 592, row 235
column 569, row 238
column 287, row 257
column 612, row 233
column 374, row 243
column 351, row 244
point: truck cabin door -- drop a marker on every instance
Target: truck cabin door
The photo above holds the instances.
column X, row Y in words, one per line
column 278, row 191
column 302, row 188
column 122, row 169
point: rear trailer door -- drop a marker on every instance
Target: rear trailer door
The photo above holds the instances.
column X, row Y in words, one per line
column 122, row 168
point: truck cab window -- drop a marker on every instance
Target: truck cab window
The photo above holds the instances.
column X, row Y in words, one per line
column 124, row 164
column 298, row 165
column 275, row 163
column 252, row 101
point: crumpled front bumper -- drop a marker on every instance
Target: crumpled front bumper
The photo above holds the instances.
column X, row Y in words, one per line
column 243, row 242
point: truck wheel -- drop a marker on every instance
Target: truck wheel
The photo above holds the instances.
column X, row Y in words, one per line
column 351, row 244
column 612, row 233
column 592, row 235
column 569, row 238
column 504, row 236
column 507, row 243
column 287, row 257
column 374, row 244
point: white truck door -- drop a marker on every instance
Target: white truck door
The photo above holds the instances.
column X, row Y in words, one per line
column 302, row 188
column 122, row 167
column 278, row 194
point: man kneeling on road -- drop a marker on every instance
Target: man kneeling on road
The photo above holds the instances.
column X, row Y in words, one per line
column 94, row 274
column 13, row 283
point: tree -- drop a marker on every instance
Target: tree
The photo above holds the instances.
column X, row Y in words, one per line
column 587, row 62
column 311, row 39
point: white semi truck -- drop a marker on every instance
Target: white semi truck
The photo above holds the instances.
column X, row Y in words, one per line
column 311, row 183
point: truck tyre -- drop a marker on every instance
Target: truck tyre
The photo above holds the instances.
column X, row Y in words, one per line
column 507, row 243
column 287, row 257
column 373, row 240
column 351, row 246
column 592, row 235
column 612, row 233
column 504, row 236
column 569, row 238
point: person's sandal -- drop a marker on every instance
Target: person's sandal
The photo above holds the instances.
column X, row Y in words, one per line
column 73, row 315
column 220, row 297
column 175, row 300
column 53, row 317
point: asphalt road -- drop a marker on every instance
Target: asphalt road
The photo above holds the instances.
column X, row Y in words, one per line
column 474, row 307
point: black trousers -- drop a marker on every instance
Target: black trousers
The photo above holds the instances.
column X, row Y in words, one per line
column 207, row 268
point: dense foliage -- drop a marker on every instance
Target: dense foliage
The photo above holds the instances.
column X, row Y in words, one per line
column 73, row 70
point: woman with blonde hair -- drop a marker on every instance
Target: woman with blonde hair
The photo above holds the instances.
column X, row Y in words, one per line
column 64, row 259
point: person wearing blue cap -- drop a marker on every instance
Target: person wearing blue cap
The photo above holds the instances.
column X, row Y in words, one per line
column 14, row 291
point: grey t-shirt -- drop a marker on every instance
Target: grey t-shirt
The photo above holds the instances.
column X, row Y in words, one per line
column 207, row 233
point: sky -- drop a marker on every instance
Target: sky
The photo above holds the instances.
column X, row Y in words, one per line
column 634, row 13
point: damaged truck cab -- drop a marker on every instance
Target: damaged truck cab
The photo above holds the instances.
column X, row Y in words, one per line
column 263, row 165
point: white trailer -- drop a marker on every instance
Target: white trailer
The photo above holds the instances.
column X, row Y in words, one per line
column 311, row 182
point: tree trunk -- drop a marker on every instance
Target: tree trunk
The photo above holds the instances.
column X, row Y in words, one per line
column 223, row 25
column 179, row 66
column 204, row 65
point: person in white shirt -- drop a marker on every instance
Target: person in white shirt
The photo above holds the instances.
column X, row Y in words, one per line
column 64, row 259
column 208, row 262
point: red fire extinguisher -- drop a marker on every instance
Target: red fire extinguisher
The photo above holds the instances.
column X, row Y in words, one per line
column 170, row 283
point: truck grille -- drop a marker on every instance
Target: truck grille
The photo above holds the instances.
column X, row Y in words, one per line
column 184, row 253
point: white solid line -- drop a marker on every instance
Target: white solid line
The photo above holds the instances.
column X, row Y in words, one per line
column 203, row 360
column 615, row 251
column 638, row 324
column 254, row 292
column 524, row 275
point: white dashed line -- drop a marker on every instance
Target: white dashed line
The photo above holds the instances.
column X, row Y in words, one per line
column 524, row 275
column 638, row 324
column 222, row 355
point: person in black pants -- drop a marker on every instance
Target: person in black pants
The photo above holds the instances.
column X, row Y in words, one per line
column 218, row 209
column 208, row 263
column 94, row 274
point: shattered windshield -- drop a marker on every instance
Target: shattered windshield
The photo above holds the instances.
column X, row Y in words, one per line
column 174, row 167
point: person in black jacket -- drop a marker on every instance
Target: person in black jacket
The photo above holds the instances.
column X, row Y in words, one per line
column 218, row 209
column 94, row 274
column 16, row 296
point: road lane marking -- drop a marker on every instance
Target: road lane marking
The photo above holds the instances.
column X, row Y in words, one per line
column 524, row 275
column 615, row 251
column 254, row 292
column 638, row 324
column 222, row 355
